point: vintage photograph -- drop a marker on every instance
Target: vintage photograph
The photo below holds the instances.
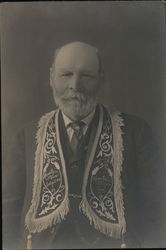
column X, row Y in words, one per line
column 83, row 124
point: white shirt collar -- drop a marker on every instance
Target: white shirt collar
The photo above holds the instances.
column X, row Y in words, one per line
column 86, row 120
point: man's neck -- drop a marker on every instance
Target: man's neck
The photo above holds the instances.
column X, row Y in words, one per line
column 86, row 119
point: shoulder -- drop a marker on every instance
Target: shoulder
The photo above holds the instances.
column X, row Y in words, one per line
column 35, row 123
column 137, row 127
column 139, row 130
column 29, row 129
column 132, row 125
column 134, row 121
column 128, row 120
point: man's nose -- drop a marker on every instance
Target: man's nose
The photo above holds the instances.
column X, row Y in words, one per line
column 75, row 82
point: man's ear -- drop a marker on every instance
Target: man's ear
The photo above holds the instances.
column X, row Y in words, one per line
column 102, row 81
column 51, row 78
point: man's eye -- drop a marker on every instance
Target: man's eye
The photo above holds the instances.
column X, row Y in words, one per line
column 67, row 74
column 87, row 76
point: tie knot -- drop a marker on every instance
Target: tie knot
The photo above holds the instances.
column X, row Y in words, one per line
column 78, row 128
column 78, row 125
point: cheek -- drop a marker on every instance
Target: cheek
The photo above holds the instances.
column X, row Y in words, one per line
column 60, row 86
column 91, row 87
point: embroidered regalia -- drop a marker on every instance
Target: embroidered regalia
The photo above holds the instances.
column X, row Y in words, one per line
column 102, row 198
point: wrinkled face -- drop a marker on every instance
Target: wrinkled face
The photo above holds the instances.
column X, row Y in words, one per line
column 75, row 79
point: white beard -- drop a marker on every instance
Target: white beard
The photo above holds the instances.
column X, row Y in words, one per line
column 76, row 108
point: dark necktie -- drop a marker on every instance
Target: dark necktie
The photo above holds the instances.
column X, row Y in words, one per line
column 77, row 135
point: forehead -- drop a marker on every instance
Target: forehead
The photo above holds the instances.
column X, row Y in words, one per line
column 81, row 57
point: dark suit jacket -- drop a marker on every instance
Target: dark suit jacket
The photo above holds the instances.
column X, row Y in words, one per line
column 143, row 179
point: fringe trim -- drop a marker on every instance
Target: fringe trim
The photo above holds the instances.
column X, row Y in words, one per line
column 110, row 229
column 117, row 123
column 29, row 242
column 37, row 225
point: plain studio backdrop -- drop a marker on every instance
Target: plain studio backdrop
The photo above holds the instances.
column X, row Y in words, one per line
column 130, row 36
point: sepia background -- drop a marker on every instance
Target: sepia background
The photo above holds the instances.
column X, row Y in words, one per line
column 130, row 36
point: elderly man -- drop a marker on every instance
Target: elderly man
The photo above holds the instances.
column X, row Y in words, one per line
column 94, row 179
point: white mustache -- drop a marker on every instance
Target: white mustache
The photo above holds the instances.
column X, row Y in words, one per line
column 74, row 95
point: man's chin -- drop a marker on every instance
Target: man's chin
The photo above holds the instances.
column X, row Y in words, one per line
column 76, row 110
column 72, row 101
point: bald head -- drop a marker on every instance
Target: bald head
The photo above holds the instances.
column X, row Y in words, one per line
column 78, row 53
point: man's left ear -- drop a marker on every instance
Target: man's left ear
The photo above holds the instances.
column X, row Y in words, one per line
column 102, row 79
column 51, row 80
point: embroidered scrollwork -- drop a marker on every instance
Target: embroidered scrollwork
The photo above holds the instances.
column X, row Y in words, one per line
column 100, row 191
column 52, row 181
column 105, row 143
